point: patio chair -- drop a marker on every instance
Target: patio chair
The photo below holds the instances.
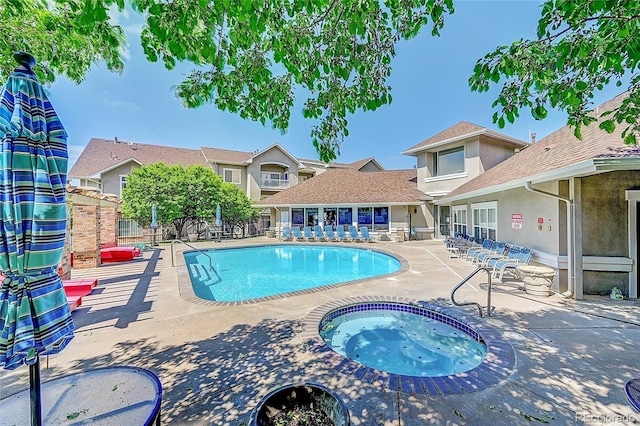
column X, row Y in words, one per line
column 308, row 235
column 497, row 250
column 331, row 236
column 353, row 233
column 320, row 235
column 472, row 252
column 364, row 231
column 341, row 233
column 521, row 256
column 297, row 234
column 286, row 234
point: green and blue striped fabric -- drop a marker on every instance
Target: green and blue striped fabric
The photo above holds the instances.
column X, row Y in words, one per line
column 34, row 315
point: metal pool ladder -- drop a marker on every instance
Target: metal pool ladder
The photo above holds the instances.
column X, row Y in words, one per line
column 193, row 248
column 461, row 283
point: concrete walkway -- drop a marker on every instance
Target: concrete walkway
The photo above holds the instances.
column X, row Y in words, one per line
column 573, row 358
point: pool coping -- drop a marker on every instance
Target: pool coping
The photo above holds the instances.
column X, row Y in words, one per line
column 497, row 366
column 186, row 289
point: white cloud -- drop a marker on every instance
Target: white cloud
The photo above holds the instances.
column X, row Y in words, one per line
column 111, row 102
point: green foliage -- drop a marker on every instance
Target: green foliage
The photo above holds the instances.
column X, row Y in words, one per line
column 581, row 47
column 183, row 195
column 252, row 58
column 65, row 36
column 237, row 209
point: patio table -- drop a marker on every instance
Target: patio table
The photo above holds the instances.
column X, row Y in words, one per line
column 104, row 396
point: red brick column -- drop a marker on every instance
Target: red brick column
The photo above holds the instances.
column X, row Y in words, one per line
column 108, row 226
column 64, row 269
column 86, row 237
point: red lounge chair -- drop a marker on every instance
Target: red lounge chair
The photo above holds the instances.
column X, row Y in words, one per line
column 85, row 285
column 74, row 302
column 118, row 254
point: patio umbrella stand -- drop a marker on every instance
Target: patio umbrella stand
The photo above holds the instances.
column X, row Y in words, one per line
column 35, row 319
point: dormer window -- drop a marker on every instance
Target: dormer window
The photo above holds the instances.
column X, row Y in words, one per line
column 448, row 162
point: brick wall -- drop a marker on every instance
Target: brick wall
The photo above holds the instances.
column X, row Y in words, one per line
column 108, row 226
column 86, row 237
column 64, row 269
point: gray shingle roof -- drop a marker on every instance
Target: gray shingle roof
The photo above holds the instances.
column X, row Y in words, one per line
column 226, row 155
column 460, row 131
column 101, row 154
column 348, row 186
column 559, row 149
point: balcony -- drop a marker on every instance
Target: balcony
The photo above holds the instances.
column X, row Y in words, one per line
column 274, row 184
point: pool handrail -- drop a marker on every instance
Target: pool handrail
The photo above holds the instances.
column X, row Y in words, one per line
column 461, row 283
column 193, row 248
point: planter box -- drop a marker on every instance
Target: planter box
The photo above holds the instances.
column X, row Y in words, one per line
column 193, row 237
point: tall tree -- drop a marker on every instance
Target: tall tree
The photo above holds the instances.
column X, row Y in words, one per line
column 237, row 209
column 182, row 195
column 580, row 48
column 251, row 57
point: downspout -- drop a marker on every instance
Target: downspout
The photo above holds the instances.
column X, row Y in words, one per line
column 570, row 235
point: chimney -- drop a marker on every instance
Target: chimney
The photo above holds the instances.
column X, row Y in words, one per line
column 533, row 138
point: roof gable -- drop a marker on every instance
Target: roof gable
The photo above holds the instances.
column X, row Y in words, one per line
column 558, row 151
column 461, row 131
column 278, row 147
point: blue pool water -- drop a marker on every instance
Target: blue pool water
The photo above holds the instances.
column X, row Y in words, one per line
column 414, row 343
column 253, row 272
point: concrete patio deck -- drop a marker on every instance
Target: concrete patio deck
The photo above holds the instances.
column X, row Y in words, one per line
column 573, row 358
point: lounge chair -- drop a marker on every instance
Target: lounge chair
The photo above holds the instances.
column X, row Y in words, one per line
column 297, row 234
column 320, row 235
column 286, row 234
column 308, row 235
column 518, row 256
column 481, row 245
column 364, row 231
column 331, row 236
column 497, row 251
column 353, row 233
column 341, row 233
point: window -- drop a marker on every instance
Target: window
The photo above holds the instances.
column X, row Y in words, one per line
column 460, row 220
column 381, row 219
column 312, row 216
column 485, row 220
column 448, row 162
column 365, row 217
column 345, row 216
column 231, row 175
column 330, row 215
column 123, row 183
column 297, row 217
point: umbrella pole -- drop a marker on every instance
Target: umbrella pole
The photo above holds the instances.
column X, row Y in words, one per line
column 34, row 392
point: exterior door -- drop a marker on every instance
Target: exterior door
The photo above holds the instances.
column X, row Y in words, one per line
column 444, row 221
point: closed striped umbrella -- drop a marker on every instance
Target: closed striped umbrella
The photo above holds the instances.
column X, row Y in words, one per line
column 34, row 315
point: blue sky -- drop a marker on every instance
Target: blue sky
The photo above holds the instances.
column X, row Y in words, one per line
column 430, row 93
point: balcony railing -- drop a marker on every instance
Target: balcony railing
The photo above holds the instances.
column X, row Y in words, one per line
column 274, row 183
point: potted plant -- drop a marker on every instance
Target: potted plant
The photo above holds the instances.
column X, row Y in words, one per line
column 308, row 403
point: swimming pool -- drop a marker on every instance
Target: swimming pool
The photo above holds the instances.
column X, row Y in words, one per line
column 496, row 365
column 248, row 273
column 402, row 339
